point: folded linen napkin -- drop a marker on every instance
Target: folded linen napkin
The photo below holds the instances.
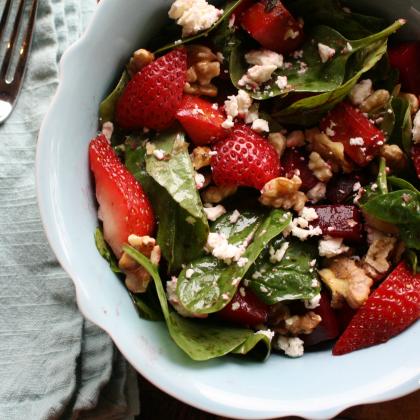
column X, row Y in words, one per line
column 53, row 363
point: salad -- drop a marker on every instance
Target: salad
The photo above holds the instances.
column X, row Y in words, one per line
column 257, row 173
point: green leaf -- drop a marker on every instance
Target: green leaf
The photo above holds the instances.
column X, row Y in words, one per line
column 105, row 250
column 291, row 278
column 412, row 260
column 145, row 308
column 409, row 233
column 107, row 106
column 402, row 184
column 227, row 11
column 397, row 207
column 199, row 339
column 401, row 134
column 214, row 283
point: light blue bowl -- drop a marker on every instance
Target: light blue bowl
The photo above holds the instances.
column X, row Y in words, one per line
column 315, row 386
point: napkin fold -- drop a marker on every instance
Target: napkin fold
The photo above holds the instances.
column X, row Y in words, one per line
column 53, row 362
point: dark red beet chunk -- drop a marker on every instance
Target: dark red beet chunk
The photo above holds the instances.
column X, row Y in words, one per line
column 339, row 221
column 406, row 58
column 328, row 328
column 344, row 316
column 250, row 312
column 348, row 125
column 296, row 160
column 340, row 188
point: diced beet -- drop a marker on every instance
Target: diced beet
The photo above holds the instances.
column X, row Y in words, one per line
column 328, row 328
column 347, row 125
column 245, row 310
column 339, row 221
column 344, row 316
column 340, row 188
column 296, row 160
column 406, row 58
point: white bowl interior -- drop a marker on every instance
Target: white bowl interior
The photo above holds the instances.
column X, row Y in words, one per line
column 316, row 386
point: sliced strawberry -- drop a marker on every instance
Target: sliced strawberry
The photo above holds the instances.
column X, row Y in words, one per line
column 389, row 310
column 406, row 58
column 245, row 159
column 123, row 205
column 295, row 162
column 202, row 120
column 415, row 155
column 152, row 97
column 272, row 25
column 350, row 127
column 245, row 309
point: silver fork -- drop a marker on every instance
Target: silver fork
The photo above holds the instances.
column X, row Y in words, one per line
column 9, row 89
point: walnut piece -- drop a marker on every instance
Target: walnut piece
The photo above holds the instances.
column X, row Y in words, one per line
column 319, row 167
column 376, row 263
column 140, row 58
column 215, row 194
column 394, row 156
column 283, row 193
column 278, row 140
column 137, row 278
column 203, row 68
column 201, row 157
column 347, row 281
column 376, row 101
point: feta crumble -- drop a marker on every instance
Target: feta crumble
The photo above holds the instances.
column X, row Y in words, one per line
column 194, row 15
column 238, row 105
column 219, row 247
column 277, row 255
column 309, row 214
column 159, row 154
column 416, row 128
column 325, row 52
column 356, row 141
column 189, row 272
column 268, row 333
column 331, row 247
column 313, row 303
column 360, row 91
column 260, row 126
column 292, row 346
column 213, row 213
column 199, row 180
column 235, row 306
column 281, row 82
column 234, row 217
column 264, row 58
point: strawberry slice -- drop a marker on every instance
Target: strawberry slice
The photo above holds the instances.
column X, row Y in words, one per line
column 389, row 310
column 360, row 138
column 123, row 205
column 202, row 120
column 415, row 155
column 406, row 58
column 245, row 309
column 272, row 25
column 245, row 159
column 152, row 97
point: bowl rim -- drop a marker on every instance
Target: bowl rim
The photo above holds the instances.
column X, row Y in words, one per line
column 45, row 204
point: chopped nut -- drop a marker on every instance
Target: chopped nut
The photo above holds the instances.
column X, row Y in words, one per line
column 331, row 151
column 319, row 167
column 283, row 323
column 394, row 156
column 140, row 58
column 203, row 67
column 201, row 157
column 376, row 262
column 215, row 194
column 137, row 278
column 278, row 141
column 376, row 101
column 347, row 281
column 412, row 100
column 283, row 193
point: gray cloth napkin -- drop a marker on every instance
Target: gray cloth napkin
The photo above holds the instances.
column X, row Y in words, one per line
column 53, row 363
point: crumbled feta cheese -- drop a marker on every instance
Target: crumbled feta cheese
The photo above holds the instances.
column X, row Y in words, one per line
column 235, row 306
column 257, row 74
column 317, row 192
column 360, row 91
column 292, row 346
column 260, row 126
column 325, row 52
column 220, row 57
column 314, row 283
column 242, row 292
column 297, row 54
column 219, row 247
column 228, row 122
column 242, row 261
column 357, row 141
column 268, row 333
column 357, row 186
column 238, row 105
column 159, row 154
column 347, row 48
column 277, row 255
column 213, row 213
column 303, row 67
column 300, row 228
column 252, row 113
column 309, row 214
column 331, row 247
column 234, row 217
column 264, row 58
column 199, row 180
column 416, row 128
column 313, row 303
column 189, row 272
column 281, row 82
column 194, row 15
column 290, row 33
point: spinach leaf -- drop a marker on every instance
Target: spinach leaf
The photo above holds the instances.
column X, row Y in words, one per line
column 107, row 106
column 105, row 251
column 401, row 134
column 145, row 306
column 402, row 184
column 398, row 207
column 410, row 235
column 412, row 260
column 291, row 278
column 213, row 283
column 227, row 12
column 200, row 339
